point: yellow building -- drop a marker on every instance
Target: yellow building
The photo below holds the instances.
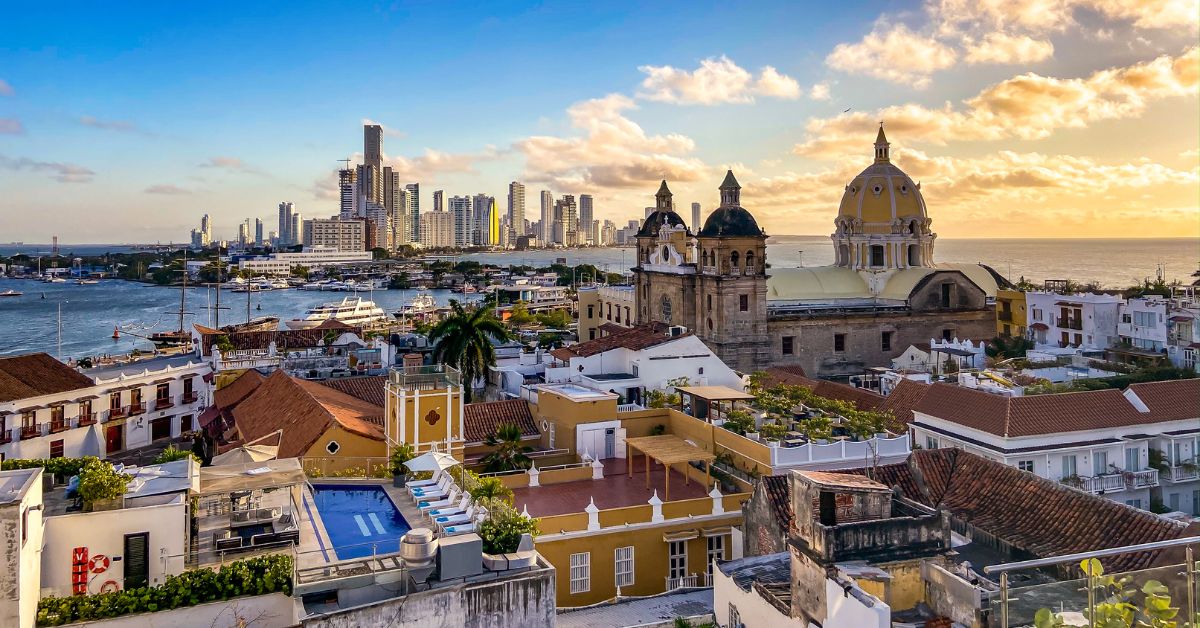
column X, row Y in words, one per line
column 604, row 305
column 1011, row 310
column 423, row 406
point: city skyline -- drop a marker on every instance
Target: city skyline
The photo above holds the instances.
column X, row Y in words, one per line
column 1072, row 122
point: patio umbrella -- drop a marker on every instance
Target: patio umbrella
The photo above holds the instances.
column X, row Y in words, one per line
column 245, row 454
column 431, row 461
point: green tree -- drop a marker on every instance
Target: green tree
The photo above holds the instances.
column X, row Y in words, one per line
column 99, row 481
column 1012, row 347
column 555, row 319
column 464, row 340
column 171, row 454
column 379, row 253
column 519, row 315
column 399, row 281
column 508, row 453
column 549, row 341
column 300, row 271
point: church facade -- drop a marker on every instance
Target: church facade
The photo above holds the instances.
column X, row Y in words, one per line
column 883, row 293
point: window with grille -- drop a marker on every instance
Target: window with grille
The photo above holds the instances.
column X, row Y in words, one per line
column 677, row 559
column 1025, row 465
column 581, row 572
column 623, row 559
column 716, row 551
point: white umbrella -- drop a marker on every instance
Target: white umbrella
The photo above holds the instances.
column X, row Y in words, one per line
column 246, row 453
column 431, row 461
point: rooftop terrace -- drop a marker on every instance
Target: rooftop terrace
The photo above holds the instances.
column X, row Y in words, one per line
column 616, row 490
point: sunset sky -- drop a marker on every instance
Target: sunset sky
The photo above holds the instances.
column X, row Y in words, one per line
column 1029, row 118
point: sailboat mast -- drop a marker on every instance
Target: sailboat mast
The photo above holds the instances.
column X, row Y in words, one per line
column 183, row 292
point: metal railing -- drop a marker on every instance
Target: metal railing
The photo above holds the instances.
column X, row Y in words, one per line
column 1017, row 605
column 347, row 467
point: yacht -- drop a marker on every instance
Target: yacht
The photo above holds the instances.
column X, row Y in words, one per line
column 351, row 310
column 335, row 286
column 280, row 284
column 421, row 304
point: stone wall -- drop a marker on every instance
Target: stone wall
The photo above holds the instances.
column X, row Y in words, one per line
column 525, row 601
column 764, row 533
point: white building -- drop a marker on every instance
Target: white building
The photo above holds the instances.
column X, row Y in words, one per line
column 21, row 511
column 932, row 357
column 1083, row 321
column 1101, row 442
column 58, row 411
column 1183, row 332
column 437, row 229
column 310, row 257
column 344, row 235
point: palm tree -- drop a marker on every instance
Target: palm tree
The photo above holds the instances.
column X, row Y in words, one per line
column 507, row 451
column 464, row 340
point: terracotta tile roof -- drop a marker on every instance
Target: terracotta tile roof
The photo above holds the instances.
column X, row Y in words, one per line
column 778, row 495
column 903, row 398
column 1030, row 415
column 283, row 338
column 234, row 392
column 1033, row 514
column 1173, row 400
column 481, row 420
column 37, row 374
column 304, row 411
column 862, row 398
column 633, row 338
column 368, row 389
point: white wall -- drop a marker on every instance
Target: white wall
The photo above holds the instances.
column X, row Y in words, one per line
column 854, row 607
column 20, row 561
column 104, row 532
column 751, row 607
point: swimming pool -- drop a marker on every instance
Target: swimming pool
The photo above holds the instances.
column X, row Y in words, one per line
column 359, row 519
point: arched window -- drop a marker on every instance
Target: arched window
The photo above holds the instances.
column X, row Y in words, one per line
column 750, row 268
column 733, row 260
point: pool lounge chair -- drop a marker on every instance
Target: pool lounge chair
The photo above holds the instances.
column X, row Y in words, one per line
column 449, row 509
column 437, row 488
column 443, row 493
column 459, row 529
column 437, row 477
column 433, row 504
column 450, row 520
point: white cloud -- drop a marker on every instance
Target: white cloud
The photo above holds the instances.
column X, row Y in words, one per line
column 717, row 81
column 612, row 152
column 820, row 91
column 953, row 16
column 109, row 125
column 387, row 130
column 166, row 188
column 1028, row 106
column 1003, row 48
column 232, row 164
column 894, row 54
column 59, row 171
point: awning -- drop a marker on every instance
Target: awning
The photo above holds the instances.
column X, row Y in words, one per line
column 208, row 416
column 1180, row 318
column 1039, row 326
column 162, row 380
column 681, row 535
column 714, row 393
column 251, row 475
column 722, row 531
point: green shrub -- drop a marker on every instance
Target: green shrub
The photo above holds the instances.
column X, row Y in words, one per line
column 254, row 576
column 98, row 481
column 502, row 529
column 65, row 467
column 171, row 454
column 401, row 454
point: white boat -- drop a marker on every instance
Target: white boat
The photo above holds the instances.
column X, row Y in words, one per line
column 87, row 282
column 350, row 310
column 280, row 284
column 54, row 279
column 421, row 304
column 314, row 285
column 335, row 286
column 11, row 293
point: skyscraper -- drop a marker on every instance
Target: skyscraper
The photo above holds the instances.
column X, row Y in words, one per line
column 286, row 237
column 243, row 237
column 547, row 231
column 373, row 146
column 439, row 200
column 481, row 206
column 493, row 236
column 696, row 218
column 585, row 219
column 437, row 229
column 516, row 208
column 460, row 207
column 296, row 229
column 258, row 231
column 413, row 191
column 566, row 212
column 347, row 180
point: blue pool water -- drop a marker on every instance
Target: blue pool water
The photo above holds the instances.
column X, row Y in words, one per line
column 359, row 519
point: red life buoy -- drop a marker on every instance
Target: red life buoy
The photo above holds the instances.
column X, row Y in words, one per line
column 100, row 563
column 110, row 586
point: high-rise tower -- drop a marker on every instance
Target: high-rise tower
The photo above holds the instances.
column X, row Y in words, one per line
column 516, row 207
column 373, row 146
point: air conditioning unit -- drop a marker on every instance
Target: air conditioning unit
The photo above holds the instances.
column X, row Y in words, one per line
column 677, row 330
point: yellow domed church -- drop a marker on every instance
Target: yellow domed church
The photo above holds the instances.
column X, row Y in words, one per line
column 883, row 293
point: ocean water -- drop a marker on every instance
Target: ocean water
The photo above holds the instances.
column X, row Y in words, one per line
column 89, row 313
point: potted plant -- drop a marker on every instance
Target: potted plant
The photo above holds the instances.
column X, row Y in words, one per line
column 401, row 454
column 101, row 487
column 504, row 532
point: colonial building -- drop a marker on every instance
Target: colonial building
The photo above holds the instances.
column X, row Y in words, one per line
column 883, row 294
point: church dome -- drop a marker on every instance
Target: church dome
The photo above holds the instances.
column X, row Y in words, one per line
column 664, row 214
column 882, row 194
column 730, row 219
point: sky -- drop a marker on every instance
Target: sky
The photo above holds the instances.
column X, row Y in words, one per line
column 123, row 122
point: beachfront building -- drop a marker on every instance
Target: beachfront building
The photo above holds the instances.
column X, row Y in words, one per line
column 884, row 292
column 1137, row 447
column 1084, row 322
column 48, row 409
column 1011, row 321
column 281, row 264
column 632, row 361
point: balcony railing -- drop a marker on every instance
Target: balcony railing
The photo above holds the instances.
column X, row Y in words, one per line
column 686, row 582
column 135, row 408
column 1182, row 473
column 1142, row 479
column 1073, row 323
column 1004, row 316
column 59, row 425
column 1119, row 481
column 30, row 431
column 160, row 404
column 117, row 413
column 87, row 419
column 189, row 398
column 5, row 437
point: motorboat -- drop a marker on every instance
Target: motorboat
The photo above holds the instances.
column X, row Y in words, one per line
column 87, row 282
column 11, row 293
column 350, row 310
column 421, row 304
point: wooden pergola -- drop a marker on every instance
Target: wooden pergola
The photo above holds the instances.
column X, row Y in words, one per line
column 667, row 450
column 706, row 401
